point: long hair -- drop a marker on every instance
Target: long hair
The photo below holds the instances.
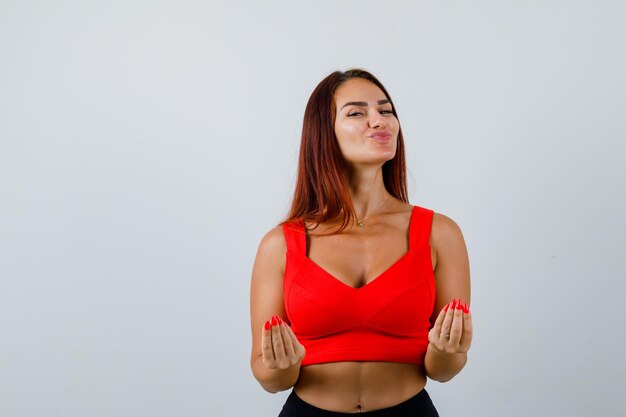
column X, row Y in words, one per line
column 321, row 191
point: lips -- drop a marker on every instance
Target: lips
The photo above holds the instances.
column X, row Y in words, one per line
column 381, row 136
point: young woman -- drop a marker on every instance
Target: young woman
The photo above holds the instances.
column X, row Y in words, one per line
column 358, row 296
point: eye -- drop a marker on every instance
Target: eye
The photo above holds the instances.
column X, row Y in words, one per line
column 356, row 113
column 386, row 111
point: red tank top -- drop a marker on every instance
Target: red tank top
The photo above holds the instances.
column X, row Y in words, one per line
column 385, row 320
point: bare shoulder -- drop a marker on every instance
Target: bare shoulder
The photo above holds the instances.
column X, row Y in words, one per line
column 445, row 232
column 272, row 249
column 273, row 240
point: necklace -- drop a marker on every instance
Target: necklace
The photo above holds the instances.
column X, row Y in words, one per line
column 360, row 222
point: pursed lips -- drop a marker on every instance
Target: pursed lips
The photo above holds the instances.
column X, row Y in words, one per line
column 380, row 135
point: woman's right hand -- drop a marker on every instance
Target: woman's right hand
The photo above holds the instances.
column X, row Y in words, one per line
column 279, row 346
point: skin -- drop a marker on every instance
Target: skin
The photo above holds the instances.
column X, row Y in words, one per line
column 356, row 257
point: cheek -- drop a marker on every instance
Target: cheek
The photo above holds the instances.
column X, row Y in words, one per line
column 345, row 130
column 395, row 124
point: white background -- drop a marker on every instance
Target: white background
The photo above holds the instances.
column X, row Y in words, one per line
column 147, row 146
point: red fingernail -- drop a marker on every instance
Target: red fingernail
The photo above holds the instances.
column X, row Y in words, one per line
column 453, row 306
column 274, row 322
column 459, row 306
column 267, row 325
column 280, row 321
column 447, row 307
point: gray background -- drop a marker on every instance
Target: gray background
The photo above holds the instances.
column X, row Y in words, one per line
column 146, row 147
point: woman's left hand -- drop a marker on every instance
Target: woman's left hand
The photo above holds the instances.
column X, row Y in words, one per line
column 452, row 332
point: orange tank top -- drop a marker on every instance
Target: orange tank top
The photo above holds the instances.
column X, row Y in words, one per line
column 385, row 320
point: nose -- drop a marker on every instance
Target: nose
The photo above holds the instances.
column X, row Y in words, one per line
column 377, row 121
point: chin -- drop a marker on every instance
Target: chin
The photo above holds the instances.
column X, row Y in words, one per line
column 387, row 156
column 381, row 159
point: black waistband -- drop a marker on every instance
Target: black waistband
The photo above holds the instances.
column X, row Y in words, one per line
column 420, row 402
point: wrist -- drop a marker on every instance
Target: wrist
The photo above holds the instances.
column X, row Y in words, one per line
column 275, row 380
column 442, row 366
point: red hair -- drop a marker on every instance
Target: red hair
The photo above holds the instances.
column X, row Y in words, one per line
column 321, row 191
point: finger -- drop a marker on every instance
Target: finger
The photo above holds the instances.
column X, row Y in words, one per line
column 277, row 340
column 466, row 338
column 456, row 327
column 447, row 321
column 266, row 343
column 287, row 341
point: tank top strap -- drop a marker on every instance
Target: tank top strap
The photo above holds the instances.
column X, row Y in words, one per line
column 421, row 222
column 295, row 237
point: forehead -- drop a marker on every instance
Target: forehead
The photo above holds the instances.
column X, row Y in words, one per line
column 358, row 89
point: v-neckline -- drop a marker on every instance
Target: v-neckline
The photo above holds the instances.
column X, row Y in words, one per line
column 385, row 272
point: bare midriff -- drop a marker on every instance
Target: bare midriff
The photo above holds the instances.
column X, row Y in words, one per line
column 352, row 387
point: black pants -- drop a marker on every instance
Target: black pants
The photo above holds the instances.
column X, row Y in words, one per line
column 419, row 405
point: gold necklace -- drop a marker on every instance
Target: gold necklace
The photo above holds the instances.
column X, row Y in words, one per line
column 360, row 222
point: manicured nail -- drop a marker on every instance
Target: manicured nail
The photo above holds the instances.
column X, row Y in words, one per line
column 447, row 307
column 465, row 308
column 453, row 306
column 274, row 321
column 267, row 325
column 280, row 321
column 459, row 306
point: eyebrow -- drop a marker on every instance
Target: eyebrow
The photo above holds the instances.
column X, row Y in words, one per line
column 363, row 103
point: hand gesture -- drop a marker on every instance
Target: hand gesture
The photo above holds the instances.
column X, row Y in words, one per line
column 452, row 332
column 280, row 347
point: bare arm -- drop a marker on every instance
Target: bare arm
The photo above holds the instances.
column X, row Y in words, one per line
column 276, row 353
column 445, row 357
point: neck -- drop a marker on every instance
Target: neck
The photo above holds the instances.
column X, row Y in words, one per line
column 367, row 191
